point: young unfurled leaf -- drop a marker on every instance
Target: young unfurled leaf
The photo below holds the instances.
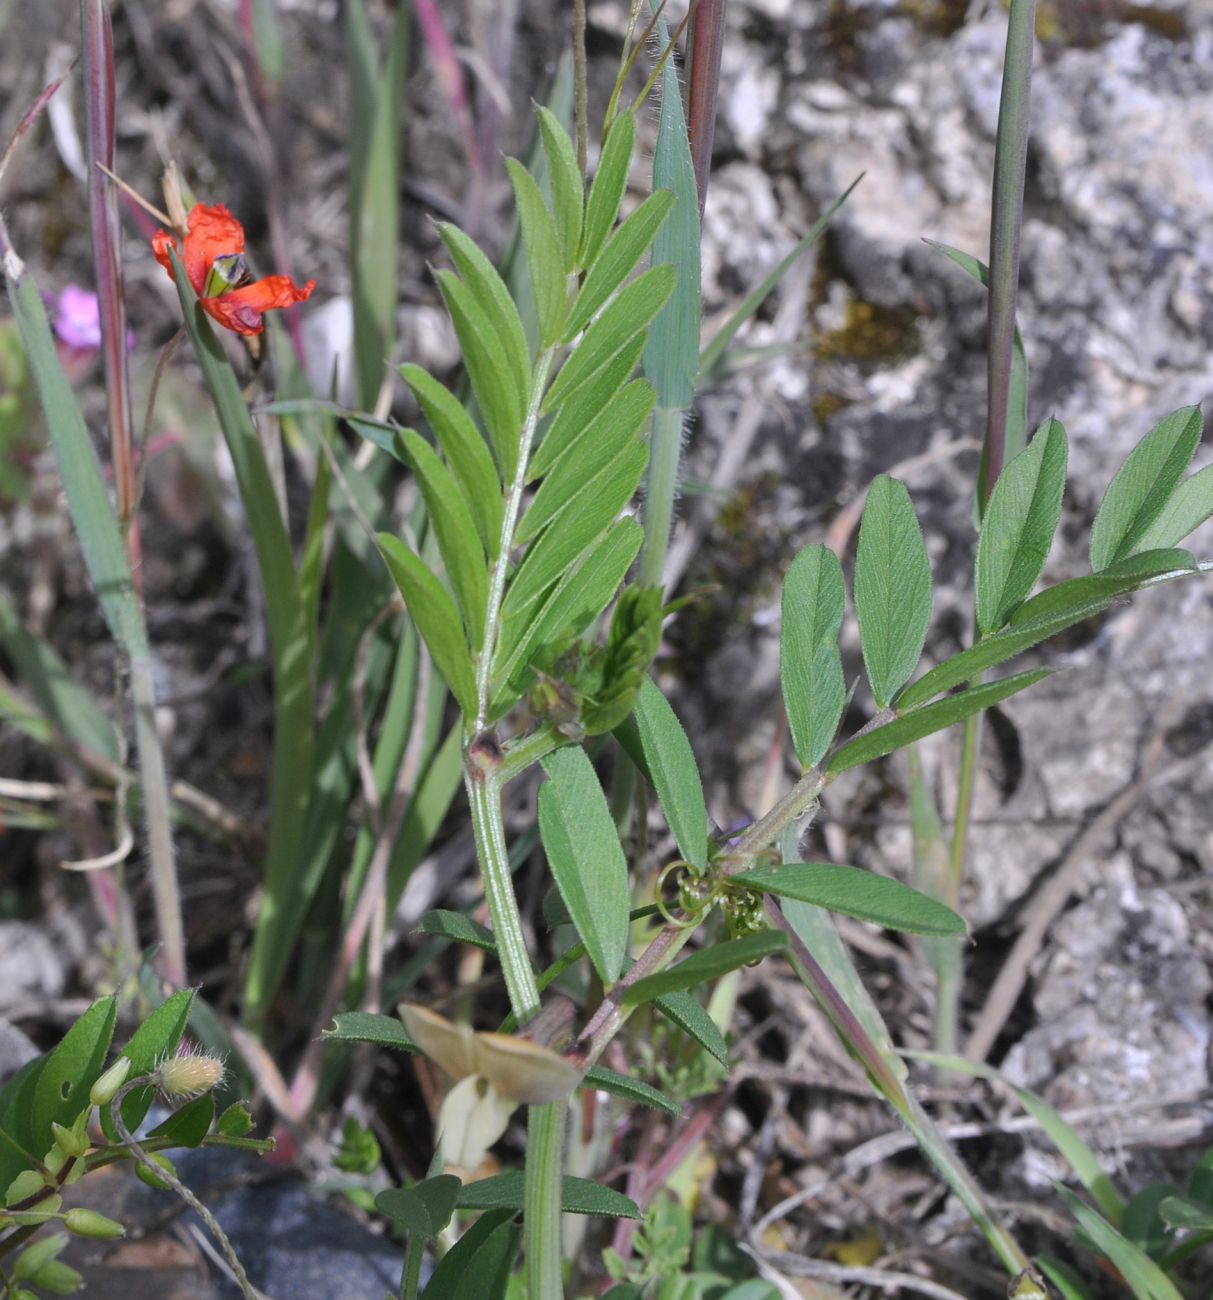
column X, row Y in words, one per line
column 674, row 772
column 458, row 539
column 606, row 192
column 466, row 453
column 493, row 298
column 586, row 858
column 934, row 717
column 892, row 588
column 631, row 311
column 436, row 618
column 622, row 667
column 620, row 256
column 1018, row 527
column 861, row 894
column 497, row 393
column 568, row 199
column 810, row 666
column 542, row 250
column 1143, row 486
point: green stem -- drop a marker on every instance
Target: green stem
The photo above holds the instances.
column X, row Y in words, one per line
column 410, row 1275
column 484, row 800
column 665, row 448
column 544, row 1183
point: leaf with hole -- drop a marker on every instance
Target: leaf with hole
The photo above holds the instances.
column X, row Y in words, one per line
column 70, row 1071
column 810, row 666
column 586, row 858
column 892, row 588
column 1143, row 486
column 1017, row 530
column 369, row 1027
column 436, row 618
column 864, row 895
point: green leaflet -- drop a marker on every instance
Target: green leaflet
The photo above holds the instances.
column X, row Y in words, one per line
column 568, row 200
column 578, row 1196
column 436, row 619
column 853, row 892
column 810, row 666
column 1142, row 487
column 543, row 247
column 586, row 858
column 1018, row 527
column 623, row 251
column 892, row 588
column 674, row 772
column 707, row 964
column 933, row 717
column 466, row 453
column 1188, row 507
column 606, row 192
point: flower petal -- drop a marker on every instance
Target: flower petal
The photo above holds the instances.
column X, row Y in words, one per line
column 472, row 1117
column 213, row 232
column 241, row 309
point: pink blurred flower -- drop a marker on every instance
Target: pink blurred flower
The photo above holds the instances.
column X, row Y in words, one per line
column 77, row 319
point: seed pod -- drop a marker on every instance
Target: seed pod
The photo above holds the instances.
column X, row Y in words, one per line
column 88, row 1223
column 145, row 1175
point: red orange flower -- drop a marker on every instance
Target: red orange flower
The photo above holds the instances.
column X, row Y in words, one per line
column 215, row 266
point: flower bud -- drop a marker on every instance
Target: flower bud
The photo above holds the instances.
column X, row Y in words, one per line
column 34, row 1257
column 69, row 1140
column 88, row 1223
column 58, row 1278
column 181, row 1078
column 106, row 1087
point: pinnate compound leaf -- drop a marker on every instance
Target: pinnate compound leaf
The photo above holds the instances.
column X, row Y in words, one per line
column 1189, row 506
column 437, row 620
column 892, row 588
column 810, row 666
column 864, row 895
column 498, row 395
column 156, row 1038
column 707, row 964
column 591, row 402
column 620, row 1085
column 568, row 199
column 586, row 858
column 925, row 721
column 466, row 453
column 422, row 1210
column 1017, row 531
column 619, row 258
column 369, row 1027
column 493, row 298
column 577, row 1196
column 684, row 1011
column 674, row 772
column 542, row 251
column 1143, row 486
column 628, row 314
column 606, row 192
column 601, row 442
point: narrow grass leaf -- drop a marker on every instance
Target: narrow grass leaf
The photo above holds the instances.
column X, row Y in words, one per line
column 582, row 593
column 925, row 721
column 992, row 650
column 1143, row 486
column 499, row 397
column 892, row 588
column 493, row 298
column 466, row 452
column 1140, row 1272
column 1017, row 529
column 606, row 192
column 1188, row 507
column 621, row 1085
column 1185, row 1214
column 443, row 778
column 458, row 539
column 586, row 858
column 577, row 1196
column 673, row 771
column 628, row 314
column 710, row 357
column 683, row 1010
column 602, row 441
column 864, row 895
column 458, row 928
column 369, row 1027
column 619, row 258
column 592, row 400
column 542, row 242
column 707, row 964
column 1078, row 1155
column 564, row 177
column 1068, row 1283
column 436, row 618
column 810, row 666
